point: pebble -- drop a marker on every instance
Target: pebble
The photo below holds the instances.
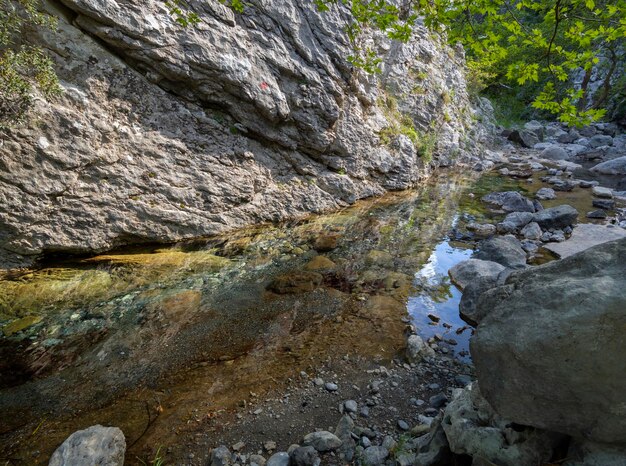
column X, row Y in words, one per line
column 434, row 386
column 366, row 442
column 402, row 425
column 269, row 446
column 364, row 412
column 318, row 382
column 238, row 446
column 331, row 387
column 350, row 406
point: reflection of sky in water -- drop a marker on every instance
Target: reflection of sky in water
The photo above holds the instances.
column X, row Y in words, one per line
column 435, row 295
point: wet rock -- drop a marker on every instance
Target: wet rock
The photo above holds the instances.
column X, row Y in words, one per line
column 374, row 456
column 597, row 214
column 531, row 231
column 544, row 325
column 556, row 217
column 220, row 456
column 505, row 250
column 280, row 458
column 296, row 282
column 99, row 445
column 600, row 191
column 471, row 295
column 607, row 204
column 417, row 350
column 320, row 264
column 325, row 243
column 466, row 271
column 510, row 201
column 554, row 152
column 305, row 456
column 611, row 167
column 545, row 194
column 379, row 258
column 530, row 246
column 322, row 441
column 473, row 428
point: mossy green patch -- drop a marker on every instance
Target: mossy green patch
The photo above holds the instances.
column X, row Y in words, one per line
column 20, row 324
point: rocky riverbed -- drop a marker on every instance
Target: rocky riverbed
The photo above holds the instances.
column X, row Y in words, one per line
column 340, row 334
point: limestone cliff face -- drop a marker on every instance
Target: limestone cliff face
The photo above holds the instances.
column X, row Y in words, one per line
column 165, row 133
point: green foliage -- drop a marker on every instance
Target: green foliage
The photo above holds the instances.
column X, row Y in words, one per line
column 24, row 69
column 536, row 43
column 179, row 10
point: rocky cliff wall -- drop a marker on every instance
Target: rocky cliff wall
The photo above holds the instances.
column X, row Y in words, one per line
column 165, row 133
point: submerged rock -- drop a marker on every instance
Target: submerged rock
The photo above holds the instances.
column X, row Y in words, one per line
column 550, row 352
column 296, row 282
column 95, row 445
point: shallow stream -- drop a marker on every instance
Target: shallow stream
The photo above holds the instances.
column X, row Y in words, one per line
column 145, row 338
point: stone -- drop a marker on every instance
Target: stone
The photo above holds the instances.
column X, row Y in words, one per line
column 320, row 264
column 374, row 456
column 269, row 446
column 173, row 168
column 510, row 201
column 466, row 271
column 556, row 217
column 606, row 204
column 600, row 191
column 554, row 152
column 331, row 387
column 304, row 456
column 600, row 140
column 569, row 137
column 482, row 230
column 545, row 325
column 259, row 460
column 350, row 406
column 473, row 428
column 505, row 228
column 325, row 243
column 524, row 138
column 616, row 166
column 296, row 282
column 519, row 219
column 505, row 250
column 280, row 458
column 595, row 454
column 471, row 295
column 99, row 445
column 535, row 127
column 417, row 350
column 531, row 231
column 585, row 236
column 545, row 194
column 438, row 400
column 238, row 446
column 220, row 456
column 343, row 431
column 322, row 441
column 597, row 214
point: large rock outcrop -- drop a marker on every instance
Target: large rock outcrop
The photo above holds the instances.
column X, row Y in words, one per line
column 166, row 133
column 550, row 351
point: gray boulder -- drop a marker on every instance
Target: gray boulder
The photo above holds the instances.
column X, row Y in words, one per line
column 374, row 456
column 519, row 219
column 556, row 217
column 531, row 231
column 545, row 194
column 550, row 352
column 510, row 201
column 611, row 167
column 471, row 295
column 220, row 456
column 473, row 428
column 569, row 137
column 554, row 152
column 467, row 271
column 97, row 445
column 322, row 441
column 505, row 250
column 600, row 140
